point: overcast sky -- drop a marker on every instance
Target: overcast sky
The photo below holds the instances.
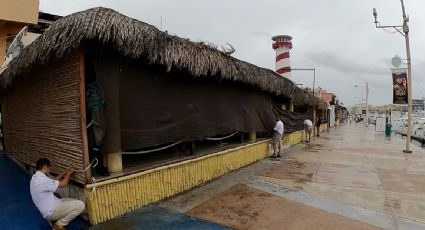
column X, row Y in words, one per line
column 337, row 37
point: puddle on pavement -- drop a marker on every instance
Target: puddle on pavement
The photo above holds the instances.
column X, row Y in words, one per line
column 391, row 204
column 260, row 210
column 401, row 181
column 298, row 164
column 308, row 178
column 313, row 147
column 297, row 171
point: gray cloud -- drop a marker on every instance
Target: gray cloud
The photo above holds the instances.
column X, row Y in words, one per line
column 343, row 65
column 261, row 33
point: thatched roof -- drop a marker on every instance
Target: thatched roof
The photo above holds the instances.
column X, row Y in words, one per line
column 136, row 39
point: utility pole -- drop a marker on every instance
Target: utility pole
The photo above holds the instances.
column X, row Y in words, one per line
column 367, row 105
column 409, row 80
column 366, row 102
column 405, row 33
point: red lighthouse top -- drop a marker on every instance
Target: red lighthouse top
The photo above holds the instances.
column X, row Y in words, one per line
column 282, row 40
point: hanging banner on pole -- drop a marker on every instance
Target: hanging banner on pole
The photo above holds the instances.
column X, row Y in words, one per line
column 400, row 89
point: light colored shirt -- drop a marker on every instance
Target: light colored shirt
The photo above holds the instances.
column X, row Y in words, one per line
column 308, row 122
column 279, row 127
column 42, row 188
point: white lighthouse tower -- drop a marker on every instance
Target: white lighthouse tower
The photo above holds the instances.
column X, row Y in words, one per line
column 282, row 44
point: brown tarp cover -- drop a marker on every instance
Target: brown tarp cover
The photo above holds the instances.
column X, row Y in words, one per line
column 146, row 106
column 293, row 121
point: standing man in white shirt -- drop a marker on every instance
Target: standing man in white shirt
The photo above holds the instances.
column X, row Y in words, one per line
column 308, row 127
column 51, row 208
column 277, row 138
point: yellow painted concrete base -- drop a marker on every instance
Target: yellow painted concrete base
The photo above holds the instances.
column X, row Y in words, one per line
column 299, row 136
column 294, row 138
column 114, row 162
column 252, row 135
column 324, row 127
column 115, row 197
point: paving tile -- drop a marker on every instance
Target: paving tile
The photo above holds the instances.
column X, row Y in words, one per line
column 401, row 181
column 243, row 207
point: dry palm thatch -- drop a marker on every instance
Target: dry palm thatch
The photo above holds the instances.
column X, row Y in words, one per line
column 135, row 39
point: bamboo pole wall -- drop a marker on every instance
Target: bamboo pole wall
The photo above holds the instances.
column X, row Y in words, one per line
column 112, row 198
column 296, row 137
column 41, row 116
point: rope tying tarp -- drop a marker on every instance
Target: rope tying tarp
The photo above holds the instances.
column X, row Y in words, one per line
column 93, row 164
column 220, row 138
column 90, row 124
column 176, row 143
column 153, row 150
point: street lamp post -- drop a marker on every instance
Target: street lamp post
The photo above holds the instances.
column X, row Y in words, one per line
column 405, row 33
column 367, row 106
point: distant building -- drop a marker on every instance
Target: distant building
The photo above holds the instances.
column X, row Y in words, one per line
column 14, row 15
column 23, row 36
column 35, row 30
column 329, row 97
column 380, row 109
column 417, row 105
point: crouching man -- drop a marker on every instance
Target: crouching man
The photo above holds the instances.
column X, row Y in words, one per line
column 61, row 211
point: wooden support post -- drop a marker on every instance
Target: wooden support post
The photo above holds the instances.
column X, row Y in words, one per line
column 114, row 162
column 291, row 105
column 108, row 76
column 192, row 148
column 314, row 122
column 252, row 135
column 83, row 120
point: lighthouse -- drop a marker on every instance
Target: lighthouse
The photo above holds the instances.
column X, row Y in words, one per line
column 282, row 45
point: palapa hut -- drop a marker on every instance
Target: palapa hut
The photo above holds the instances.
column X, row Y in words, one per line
column 99, row 79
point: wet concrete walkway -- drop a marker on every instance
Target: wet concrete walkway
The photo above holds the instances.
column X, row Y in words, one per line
column 349, row 178
column 156, row 218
